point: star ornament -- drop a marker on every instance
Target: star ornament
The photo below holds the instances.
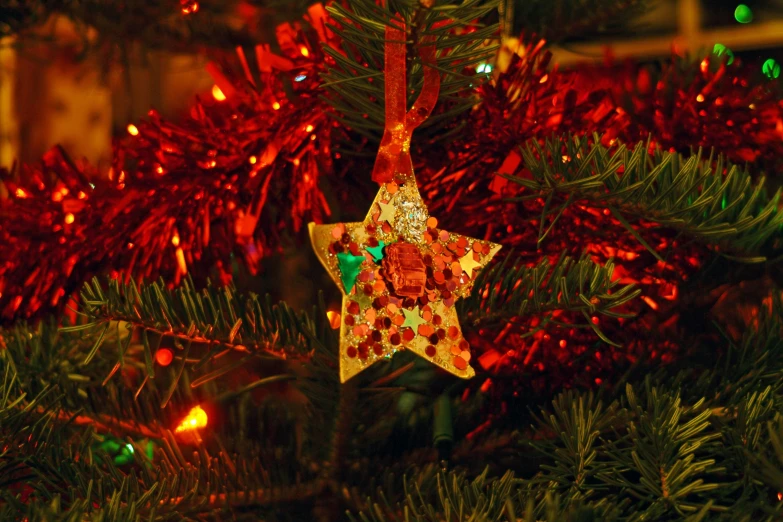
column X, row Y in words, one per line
column 401, row 295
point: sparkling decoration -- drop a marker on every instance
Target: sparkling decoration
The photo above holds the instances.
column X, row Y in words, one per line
column 743, row 14
column 235, row 174
column 193, row 175
column 771, row 68
column 407, row 302
column 196, row 419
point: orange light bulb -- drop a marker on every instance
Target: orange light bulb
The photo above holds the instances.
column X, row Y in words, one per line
column 133, row 130
column 334, row 319
column 196, row 418
column 218, row 94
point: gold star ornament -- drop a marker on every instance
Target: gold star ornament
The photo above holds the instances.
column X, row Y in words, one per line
column 401, row 295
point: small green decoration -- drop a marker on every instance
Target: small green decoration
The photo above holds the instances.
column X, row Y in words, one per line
column 743, row 14
column 719, row 49
column 771, row 68
column 484, row 68
column 377, row 251
column 122, row 453
column 349, row 268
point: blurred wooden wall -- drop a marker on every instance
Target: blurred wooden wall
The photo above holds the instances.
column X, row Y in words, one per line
column 51, row 93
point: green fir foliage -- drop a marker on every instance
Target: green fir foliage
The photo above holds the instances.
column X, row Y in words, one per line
column 356, row 84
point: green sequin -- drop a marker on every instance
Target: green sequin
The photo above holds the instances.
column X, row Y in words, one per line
column 376, row 252
column 349, row 269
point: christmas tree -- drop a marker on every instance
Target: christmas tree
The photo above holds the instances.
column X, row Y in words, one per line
column 549, row 294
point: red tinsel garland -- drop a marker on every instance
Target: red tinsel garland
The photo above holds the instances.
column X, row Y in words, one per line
column 236, row 176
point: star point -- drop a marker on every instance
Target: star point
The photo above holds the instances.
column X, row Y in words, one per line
column 469, row 263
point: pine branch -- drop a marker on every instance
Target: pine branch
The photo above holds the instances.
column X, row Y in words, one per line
column 506, row 292
column 576, row 422
column 215, row 317
column 48, row 449
column 661, row 461
column 710, row 200
column 749, row 365
column 458, row 30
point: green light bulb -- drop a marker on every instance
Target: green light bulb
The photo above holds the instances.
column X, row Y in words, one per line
column 720, row 50
column 743, row 14
column 771, row 68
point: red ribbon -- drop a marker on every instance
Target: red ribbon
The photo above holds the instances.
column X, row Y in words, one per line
column 394, row 152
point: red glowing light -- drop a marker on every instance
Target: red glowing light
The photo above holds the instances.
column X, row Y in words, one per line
column 218, row 94
column 183, row 267
column 164, row 356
